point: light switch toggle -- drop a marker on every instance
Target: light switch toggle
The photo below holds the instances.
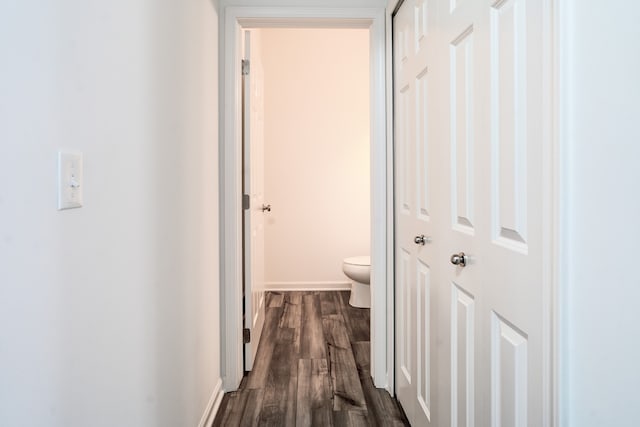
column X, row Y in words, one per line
column 69, row 180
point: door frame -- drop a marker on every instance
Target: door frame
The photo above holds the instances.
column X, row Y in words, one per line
column 236, row 19
column 555, row 196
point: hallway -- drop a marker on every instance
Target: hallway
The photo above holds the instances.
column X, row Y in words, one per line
column 312, row 368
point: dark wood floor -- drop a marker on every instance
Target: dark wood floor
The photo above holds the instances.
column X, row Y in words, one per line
column 312, row 368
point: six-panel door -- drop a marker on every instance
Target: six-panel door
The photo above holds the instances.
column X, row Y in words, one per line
column 468, row 120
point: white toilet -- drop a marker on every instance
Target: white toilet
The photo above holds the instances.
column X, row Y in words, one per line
column 358, row 269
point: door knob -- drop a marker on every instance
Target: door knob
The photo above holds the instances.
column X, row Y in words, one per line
column 266, row 208
column 421, row 239
column 459, row 259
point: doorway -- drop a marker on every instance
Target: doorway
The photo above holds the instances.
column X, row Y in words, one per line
column 237, row 20
column 306, row 162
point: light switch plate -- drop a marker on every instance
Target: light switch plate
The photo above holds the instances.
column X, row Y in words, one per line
column 69, row 180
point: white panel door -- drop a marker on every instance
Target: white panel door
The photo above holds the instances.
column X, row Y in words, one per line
column 484, row 122
column 414, row 226
column 493, row 91
column 253, row 184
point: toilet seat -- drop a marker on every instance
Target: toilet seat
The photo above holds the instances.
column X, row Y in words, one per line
column 358, row 260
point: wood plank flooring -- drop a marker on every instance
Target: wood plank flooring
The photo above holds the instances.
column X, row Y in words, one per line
column 311, row 369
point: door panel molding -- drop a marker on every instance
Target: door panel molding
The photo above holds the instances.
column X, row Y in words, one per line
column 423, row 344
column 462, row 357
column 461, row 53
column 509, row 124
column 508, row 374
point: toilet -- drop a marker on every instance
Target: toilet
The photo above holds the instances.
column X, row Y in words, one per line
column 358, row 269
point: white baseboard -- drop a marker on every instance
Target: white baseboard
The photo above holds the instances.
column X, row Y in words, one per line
column 212, row 407
column 308, row 286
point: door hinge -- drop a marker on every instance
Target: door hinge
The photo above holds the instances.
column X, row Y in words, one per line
column 246, row 335
column 246, row 202
column 245, row 67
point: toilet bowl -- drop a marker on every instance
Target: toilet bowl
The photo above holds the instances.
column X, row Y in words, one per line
column 358, row 269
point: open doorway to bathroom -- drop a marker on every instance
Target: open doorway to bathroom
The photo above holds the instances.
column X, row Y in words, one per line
column 307, row 231
column 379, row 183
column 306, row 222
column 316, row 154
column 306, row 168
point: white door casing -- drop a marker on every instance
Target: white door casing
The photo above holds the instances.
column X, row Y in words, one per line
column 236, row 20
column 485, row 190
column 253, row 183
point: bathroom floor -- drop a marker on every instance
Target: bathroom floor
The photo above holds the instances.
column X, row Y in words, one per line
column 312, row 368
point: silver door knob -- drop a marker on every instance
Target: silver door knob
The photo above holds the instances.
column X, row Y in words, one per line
column 459, row 259
column 266, row 208
column 421, row 239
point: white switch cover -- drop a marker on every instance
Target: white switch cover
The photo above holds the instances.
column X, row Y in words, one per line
column 69, row 180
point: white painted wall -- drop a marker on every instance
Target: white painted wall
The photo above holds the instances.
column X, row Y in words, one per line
column 109, row 313
column 601, row 324
column 317, row 149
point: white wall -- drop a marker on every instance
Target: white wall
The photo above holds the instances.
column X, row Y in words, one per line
column 317, row 176
column 109, row 313
column 601, row 327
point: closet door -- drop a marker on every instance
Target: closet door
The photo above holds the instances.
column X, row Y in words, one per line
column 414, row 223
column 492, row 89
column 470, row 304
